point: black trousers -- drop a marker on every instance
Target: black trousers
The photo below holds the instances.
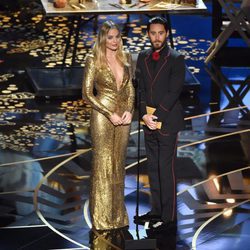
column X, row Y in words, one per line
column 161, row 156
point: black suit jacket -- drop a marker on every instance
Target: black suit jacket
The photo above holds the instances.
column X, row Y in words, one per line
column 160, row 85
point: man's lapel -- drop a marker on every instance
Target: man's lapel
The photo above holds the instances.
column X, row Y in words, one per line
column 152, row 71
column 149, row 64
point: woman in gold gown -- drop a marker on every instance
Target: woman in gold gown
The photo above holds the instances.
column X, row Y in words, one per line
column 109, row 72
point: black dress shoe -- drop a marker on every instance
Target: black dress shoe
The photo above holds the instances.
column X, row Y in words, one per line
column 142, row 219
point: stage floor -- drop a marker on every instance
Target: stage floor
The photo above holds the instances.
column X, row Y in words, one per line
column 45, row 144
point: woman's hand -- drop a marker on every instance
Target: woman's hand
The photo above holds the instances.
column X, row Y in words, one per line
column 126, row 118
column 116, row 119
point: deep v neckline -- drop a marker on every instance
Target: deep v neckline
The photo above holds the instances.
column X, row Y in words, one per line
column 113, row 75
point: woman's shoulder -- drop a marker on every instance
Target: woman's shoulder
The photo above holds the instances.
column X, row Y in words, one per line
column 127, row 53
column 90, row 59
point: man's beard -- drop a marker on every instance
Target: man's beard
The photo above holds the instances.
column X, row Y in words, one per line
column 159, row 46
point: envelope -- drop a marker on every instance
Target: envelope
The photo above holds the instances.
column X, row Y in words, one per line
column 150, row 111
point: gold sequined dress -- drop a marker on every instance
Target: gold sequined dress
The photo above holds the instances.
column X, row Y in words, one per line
column 109, row 143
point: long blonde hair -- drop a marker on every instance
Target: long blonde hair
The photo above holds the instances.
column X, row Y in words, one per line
column 99, row 49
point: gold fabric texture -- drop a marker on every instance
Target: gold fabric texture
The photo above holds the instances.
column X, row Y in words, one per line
column 109, row 143
column 113, row 239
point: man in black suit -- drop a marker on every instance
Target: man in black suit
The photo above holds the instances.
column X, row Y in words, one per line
column 160, row 72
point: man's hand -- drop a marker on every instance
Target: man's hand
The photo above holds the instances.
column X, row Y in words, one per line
column 150, row 121
column 126, row 118
column 116, row 119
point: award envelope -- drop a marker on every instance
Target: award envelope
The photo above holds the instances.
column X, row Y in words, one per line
column 150, row 111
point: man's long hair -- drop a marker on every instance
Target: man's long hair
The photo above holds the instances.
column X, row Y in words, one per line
column 99, row 49
column 158, row 20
